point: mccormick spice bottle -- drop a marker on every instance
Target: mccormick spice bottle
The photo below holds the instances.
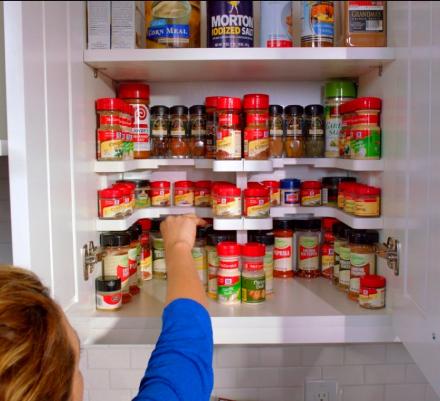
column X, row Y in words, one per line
column 283, row 249
column 197, row 126
column 108, row 293
column 179, row 147
column 314, row 126
column 228, row 128
column 253, row 279
column 266, row 238
column 341, row 233
column 137, row 95
column 276, row 137
column 308, row 237
column 160, row 123
column 294, row 142
column 109, row 136
column 256, row 133
column 228, row 273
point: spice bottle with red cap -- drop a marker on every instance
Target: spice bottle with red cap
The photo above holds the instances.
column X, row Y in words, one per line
column 184, row 193
column 137, row 95
column 256, row 202
column 109, row 136
column 275, row 192
column 202, row 194
column 110, row 204
column 310, row 193
column 283, row 249
column 146, row 259
column 256, row 133
column 228, row 273
column 253, row 278
column 227, row 201
column 228, row 142
column 372, row 292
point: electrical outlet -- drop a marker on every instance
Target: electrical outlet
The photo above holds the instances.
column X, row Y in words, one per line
column 321, row 390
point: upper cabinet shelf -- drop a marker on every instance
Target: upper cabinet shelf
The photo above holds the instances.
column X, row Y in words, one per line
column 180, row 65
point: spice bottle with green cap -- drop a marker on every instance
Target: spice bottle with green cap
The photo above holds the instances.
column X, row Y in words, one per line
column 335, row 93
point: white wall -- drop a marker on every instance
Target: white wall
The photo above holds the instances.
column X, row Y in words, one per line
column 5, row 214
column 366, row 372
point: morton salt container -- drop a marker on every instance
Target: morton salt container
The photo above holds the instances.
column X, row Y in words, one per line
column 230, row 23
column 276, row 24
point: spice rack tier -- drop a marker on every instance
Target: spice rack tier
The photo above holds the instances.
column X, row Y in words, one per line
column 241, row 223
column 238, row 165
column 251, row 64
column 300, row 311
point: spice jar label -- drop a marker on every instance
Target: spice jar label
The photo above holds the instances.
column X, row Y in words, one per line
column 268, row 270
column 365, row 143
column 160, row 198
column 367, row 207
column 344, row 266
column 366, row 16
column 146, row 266
column 361, row 264
column 308, row 253
column 231, row 207
column 257, row 119
column 110, row 208
column 141, row 128
column 373, row 298
column 256, row 143
column 212, row 282
column 229, row 143
column 183, row 198
column 213, row 260
column 117, row 265
column 229, row 264
column 327, row 263
column 291, row 197
column 311, row 198
column 109, row 302
column 202, row 198
column 229, row 289
column 282, row 254
column 332, row 128
column 257, row 208
column 110, row 145
column 132, row 261
column 253, row 290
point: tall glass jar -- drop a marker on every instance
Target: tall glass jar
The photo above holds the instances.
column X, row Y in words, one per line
column 276, row 137
column 294, row 143
column 211, row 126
column 160, row 123
column 308, row 239
column 335, row 93
column 228, row 128
column 314, row 130
column 341, row 232
column 318, row 21
column 179, row 147
column 197, row 131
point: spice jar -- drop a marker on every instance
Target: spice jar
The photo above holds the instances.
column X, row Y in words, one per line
column 314, row 130
column 115, row 262
column 330, row 190
column 256, row 202
column 372, row 292
column 310, row 193
column 108, row 293
column 276, row 137
column 342, row 187
column 137, row 95
column 142, row 194
column 110, row 204
column 108, row 112
column 308, row 238
column 344, row 267
column 367, row 201
column 253, row 278
column 146, row 258
column 318, row 20
column 362, row 258
column 159, row 265
column 213, row 239
column 183, row 193
column 227, row 202
column 160, row 121
column 228, row 274
column 127, row 189
column 198, row 253
column 197, row 131
column 294, row 142
column 275, row 192
column 211, row 126
column 228, row 143
column 364, row 24
column 267, row 239
column 160, row 193
column 134, row 254
column 341, row 232
column 335, row 94
column 179, row 146
column 202, row 193
column 126, row 119
column 283, row 249
column 327, row 260
column 256, row 132
column 349, row 195
column 290, row 191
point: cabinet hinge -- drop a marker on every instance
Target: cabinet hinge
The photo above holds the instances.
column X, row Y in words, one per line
column 92, row 255
column 391, row 252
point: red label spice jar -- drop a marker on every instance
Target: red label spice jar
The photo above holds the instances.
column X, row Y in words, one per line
column 253, row 278
column 110, row 204
column 367, row 201
column 256, row 202
column 160, row 193
column 372, row 292
column 127, row 191
column 310, row 193
column 228, row 129
column 283, row 249
column 256, row 133
column 183, row 193
column 137, row 95
column 275, row 192
column 227, row 201
column 228, row 273
column 202, row 194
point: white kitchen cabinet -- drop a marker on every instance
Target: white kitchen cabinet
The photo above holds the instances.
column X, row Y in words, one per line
column 51, row 87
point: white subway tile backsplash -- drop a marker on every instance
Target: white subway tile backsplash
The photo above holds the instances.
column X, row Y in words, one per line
column 363, row 393
column 225, row 378
column 281, row 394
column 293, row 377
column 258, row 377
column 278, row 356
column 397, row 353
column 345, row 375
column 109, row 395
column 236, row 356
column 108, row 357
column 385, row 374
column 322, row 355
column 365, row 354
column 239, row 394
column 126, row 378
column 414, row 374
column 405, row 392
column 97, row 379
column 139, row 356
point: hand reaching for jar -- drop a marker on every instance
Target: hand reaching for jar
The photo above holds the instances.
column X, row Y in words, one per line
column 180, row 230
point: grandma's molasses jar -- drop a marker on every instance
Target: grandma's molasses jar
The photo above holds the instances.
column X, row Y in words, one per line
column 179, row 143
column 160, row 122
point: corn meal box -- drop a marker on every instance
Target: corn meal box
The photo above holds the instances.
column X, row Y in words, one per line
column 98, row 24
column 128, row 27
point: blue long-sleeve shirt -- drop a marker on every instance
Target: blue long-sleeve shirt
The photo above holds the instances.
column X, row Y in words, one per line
column 180, row 367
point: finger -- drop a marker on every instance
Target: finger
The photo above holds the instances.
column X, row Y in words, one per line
column 199, row 221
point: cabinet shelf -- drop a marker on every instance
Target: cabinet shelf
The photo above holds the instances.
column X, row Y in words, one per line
column 237, row 165
column 301, row 311
column 3, row 147
column 252, row 64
